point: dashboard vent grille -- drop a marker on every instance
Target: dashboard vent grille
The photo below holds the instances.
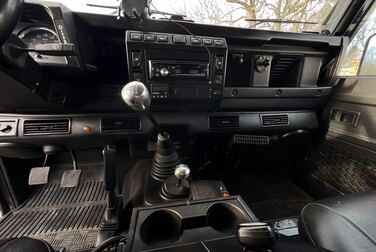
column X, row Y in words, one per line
column 283, row 70
column 121, row 124
column 275, row 120
column 223, row 122
column 46, row 127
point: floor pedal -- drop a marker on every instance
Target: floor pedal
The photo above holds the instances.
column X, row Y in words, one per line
column 71, row 178
column 39, row 175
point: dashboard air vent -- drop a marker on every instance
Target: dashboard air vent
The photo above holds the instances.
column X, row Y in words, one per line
column 284, row 71
column 46, row 127
column 275, row 120
column 121, row 124
column 223, row 122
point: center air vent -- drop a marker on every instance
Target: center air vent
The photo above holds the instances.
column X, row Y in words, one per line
column 275, row 120
column 223, row 122
column 46, row 127
column 121, row 124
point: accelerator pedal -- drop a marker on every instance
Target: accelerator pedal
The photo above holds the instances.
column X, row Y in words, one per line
column 71, row 178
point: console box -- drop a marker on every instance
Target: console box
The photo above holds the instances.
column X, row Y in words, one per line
column 189, row 226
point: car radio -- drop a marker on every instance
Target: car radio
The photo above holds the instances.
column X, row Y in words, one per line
column 178, row 70
column 177, row 67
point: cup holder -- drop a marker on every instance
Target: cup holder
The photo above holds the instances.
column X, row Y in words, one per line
column 225, row 218
column 162, row 227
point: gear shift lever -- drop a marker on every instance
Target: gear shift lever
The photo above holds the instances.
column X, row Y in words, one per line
column 136, row 95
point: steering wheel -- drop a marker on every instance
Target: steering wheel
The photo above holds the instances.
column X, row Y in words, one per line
column 10, row 13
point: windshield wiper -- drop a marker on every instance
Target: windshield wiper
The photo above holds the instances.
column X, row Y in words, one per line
column 278, row 20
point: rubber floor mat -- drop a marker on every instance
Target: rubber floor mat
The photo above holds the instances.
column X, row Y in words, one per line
column 64, row 217
column 343, row 170
column 269, row 198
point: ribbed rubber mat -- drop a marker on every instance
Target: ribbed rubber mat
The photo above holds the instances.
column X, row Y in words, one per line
column 280, row 200
column 345, row 171
column 64, row 217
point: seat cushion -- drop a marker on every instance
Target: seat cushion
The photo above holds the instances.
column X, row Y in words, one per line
column 24, row 244
column 343, row 223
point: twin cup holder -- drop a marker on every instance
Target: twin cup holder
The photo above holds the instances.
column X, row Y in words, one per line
column 166, row 226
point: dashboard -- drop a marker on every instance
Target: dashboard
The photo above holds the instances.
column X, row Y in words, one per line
column 212, row 79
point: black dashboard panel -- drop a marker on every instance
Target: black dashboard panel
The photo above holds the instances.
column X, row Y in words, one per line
column 212, row 71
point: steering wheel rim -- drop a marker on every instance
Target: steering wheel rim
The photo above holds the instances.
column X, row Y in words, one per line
column 10, row 13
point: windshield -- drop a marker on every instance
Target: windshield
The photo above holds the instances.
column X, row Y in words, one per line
column 279, row 15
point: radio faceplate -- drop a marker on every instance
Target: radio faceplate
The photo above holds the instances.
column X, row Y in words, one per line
column 178, row 70
column 177, row 67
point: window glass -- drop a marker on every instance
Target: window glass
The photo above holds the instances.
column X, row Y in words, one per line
column 368, row 65
column 278, row 15
column 355, row 50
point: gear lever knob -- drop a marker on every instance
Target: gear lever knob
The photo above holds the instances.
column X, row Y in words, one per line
column 136, row 95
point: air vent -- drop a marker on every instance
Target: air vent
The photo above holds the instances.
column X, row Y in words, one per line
column 46, row 127
column 284, row 71
column 275, row 120
column 223, row 122
column 121, row 124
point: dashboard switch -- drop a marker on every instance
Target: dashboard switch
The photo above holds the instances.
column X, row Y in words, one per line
column 219, row 42
column 135, row 36
column 218, row 79
column 196, row 41
column 208, row 41
column 162, row 38
column 180, row 39
column 149, row 37
column 136, row 59
column 219, row 63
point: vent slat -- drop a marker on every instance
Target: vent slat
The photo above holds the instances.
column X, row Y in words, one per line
column 46, row 127
column 275, row 120
column 121, row 124
column 223, row 122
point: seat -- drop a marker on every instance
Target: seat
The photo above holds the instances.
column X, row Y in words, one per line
column 24, row 244
column 342, row 223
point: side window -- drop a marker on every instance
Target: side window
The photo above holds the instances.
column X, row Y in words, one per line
column 362, row 48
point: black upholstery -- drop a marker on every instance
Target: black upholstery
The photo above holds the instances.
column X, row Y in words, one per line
column 24, row 244
column 343, row 223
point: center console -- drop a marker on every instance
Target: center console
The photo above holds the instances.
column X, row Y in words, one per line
column 178, row 68
column 203, row 225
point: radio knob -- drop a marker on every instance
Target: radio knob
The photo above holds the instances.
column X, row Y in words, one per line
column 164, row 72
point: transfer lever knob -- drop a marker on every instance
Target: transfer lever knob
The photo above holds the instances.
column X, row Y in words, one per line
column 182, row 171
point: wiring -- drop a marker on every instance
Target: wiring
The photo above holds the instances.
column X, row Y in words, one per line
column 183, row 27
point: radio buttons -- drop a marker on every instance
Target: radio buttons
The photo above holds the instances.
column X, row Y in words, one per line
column 149, row 37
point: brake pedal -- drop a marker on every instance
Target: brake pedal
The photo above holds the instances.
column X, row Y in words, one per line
column 71, row 178
column 39, row 175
